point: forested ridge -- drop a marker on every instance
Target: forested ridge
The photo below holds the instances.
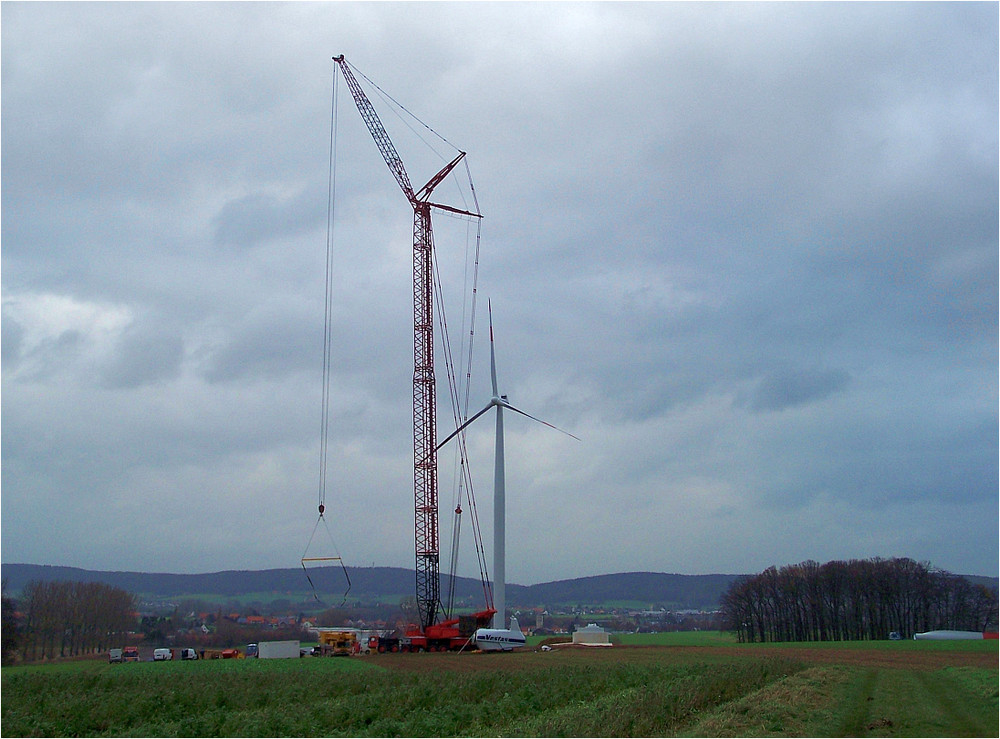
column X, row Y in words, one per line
column 855, row 600
column 672, row 591
column 650, row 589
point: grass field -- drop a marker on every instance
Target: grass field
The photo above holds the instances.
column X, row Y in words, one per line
column 684, row 685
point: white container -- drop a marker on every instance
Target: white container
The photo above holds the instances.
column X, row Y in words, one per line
column 278, row 649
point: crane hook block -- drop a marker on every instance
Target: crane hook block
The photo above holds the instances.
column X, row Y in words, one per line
column 339, row 58
column 321, row 509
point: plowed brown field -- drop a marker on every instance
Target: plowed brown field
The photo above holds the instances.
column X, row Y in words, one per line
column 879, row 657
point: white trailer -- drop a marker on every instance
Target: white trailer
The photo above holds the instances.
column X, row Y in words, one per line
column 278, row 649
column 947, row 634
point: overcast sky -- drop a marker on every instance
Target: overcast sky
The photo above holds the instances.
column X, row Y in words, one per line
column 747, row 253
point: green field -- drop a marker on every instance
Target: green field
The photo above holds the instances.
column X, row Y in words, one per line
column 676, row 639
column 686, row 685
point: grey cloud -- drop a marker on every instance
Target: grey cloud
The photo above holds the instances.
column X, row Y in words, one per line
column 145, row 354
column 748, row 251
column 11, row 342
column 256, row 218
column 265, row 346
column 781, row 390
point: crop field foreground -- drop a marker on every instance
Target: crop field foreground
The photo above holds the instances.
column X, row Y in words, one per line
column 897, row 689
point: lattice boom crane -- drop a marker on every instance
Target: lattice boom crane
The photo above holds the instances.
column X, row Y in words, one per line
column 425, row 472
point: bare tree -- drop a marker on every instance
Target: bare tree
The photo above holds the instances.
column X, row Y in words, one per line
column 67, row 618
column 859, row 599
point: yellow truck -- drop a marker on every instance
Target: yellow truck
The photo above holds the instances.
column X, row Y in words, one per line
column 337, row 643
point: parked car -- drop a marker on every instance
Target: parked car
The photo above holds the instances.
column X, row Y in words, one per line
column 115, row 655
column 161, row 654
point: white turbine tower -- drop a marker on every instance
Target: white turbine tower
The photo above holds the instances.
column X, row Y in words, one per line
column 499, row 493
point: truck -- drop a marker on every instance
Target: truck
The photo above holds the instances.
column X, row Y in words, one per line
column 383, row 644
column 278, row 649
column 337, row 643
column 455, row 634
column 130, row 654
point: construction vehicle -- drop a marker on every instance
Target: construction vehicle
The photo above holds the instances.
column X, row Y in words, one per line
column 452, row 634
column 337, row 643
column 130, row 654
column 229, row 653
column 429, row 634
column 383, row 644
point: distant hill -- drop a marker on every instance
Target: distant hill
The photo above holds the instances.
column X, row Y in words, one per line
column 642, row 588
column 228, row 583
column 675, row 592
column 389, row 584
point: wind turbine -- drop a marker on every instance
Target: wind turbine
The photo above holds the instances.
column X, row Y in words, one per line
column 499, row 493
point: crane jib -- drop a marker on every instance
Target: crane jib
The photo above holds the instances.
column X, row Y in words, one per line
column 377, row 130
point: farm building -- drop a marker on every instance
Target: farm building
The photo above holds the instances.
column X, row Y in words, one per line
column 591, row 634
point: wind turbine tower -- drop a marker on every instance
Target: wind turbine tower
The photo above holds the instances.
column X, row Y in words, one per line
column 499, row 484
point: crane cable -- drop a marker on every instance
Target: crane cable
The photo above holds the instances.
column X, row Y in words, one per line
column 461, row 413
column 324, row 443
column 397, row 106
column 476, row 530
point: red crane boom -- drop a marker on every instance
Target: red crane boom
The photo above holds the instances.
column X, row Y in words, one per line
column 425, row 468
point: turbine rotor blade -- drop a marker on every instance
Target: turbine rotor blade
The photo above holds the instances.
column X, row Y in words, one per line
column 493, row 356
column 464, row 426
column 508, row 406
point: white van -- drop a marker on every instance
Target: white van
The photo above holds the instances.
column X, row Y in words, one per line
column 162, row 653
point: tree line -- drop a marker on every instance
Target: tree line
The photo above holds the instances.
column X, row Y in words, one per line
column 65, row 619
column 854, row 600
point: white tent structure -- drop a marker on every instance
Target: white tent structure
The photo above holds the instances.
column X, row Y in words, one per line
column 591, row 635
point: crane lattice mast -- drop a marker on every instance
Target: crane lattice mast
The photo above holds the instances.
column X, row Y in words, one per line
column 425, row 467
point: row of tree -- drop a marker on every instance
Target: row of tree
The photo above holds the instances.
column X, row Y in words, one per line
column 64, row 619
column 854, row 600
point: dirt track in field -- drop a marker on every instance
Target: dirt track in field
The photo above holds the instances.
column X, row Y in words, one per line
column 567, row 656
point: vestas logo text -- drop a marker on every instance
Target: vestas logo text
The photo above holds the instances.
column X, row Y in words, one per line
column 499, row 637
